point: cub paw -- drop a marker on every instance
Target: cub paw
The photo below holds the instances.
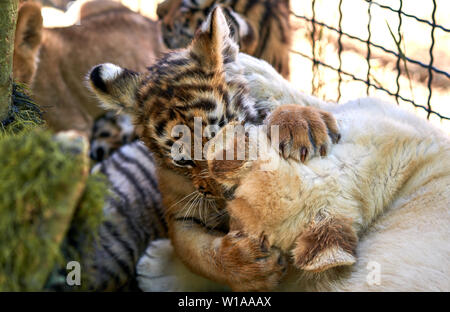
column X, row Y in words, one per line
column 159, row 269
column 249, row 263
column 304, row 132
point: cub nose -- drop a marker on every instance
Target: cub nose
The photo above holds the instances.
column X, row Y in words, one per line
column 98, row 154
column 202, row 189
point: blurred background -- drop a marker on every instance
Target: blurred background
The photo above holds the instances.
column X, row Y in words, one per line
column 346, row 49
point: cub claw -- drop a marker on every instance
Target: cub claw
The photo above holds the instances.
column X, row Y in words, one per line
column 301, row 130
column 250, row 263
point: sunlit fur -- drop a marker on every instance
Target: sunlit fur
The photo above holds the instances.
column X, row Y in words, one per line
column 261, row 27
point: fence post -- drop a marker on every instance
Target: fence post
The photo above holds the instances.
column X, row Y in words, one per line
column 8, row 16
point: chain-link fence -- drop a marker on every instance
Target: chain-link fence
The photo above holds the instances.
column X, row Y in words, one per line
column 367, row 48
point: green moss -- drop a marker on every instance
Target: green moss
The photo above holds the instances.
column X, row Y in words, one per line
column 45, row 222
column 79, row 242
column 37, row 182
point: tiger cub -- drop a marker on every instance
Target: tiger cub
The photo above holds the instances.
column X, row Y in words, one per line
column 133, row 218
column 203, row 88
column 110, row 132
column 261, row 28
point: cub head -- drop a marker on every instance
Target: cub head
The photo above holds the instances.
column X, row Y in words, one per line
column 181, row 101
column 27, row 42
column 110, row 131
column 180, row 19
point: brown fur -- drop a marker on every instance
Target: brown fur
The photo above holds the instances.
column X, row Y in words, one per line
column 95, row 7
column 27, row 41
column 66, row 54
column 324, row 234
column 259, row 268
column 297, row 124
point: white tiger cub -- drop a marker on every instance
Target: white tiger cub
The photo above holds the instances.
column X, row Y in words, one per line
column 314, row 211
column 407, row 184
column 133, row 218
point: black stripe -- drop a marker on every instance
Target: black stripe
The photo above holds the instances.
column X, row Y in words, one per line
column 193, row 73
column 126, row 173
column 142, row 199
column 155, row 89
column 177, row 62
column 250, row 5
column 103, row 270
column 203, row 104
column 122, row 264
column 145, row 152
column 139, row 235
column 96, row 79
column 233, row 30
column 223, row 121
column 152, row 179
column 212, row 120
column 264, row 26
column 281, row 28
column 113, row 232
column 195, row 57
column 160, row 128
column 148, row 175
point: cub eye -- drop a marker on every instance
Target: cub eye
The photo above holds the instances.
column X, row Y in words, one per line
column 104, row 134
column 184, row 163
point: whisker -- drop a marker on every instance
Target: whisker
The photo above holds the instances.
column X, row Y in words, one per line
column 185, row 197
column 192, row 205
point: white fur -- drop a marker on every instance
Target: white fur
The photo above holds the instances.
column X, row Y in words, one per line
column 411, row 239
column 411, row 245
column 110, row 71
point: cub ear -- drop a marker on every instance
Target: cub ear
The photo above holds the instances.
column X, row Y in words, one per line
column 164, row 7
column 326, row 244
column 212, row 44
column 115, row 87
column 28, row 39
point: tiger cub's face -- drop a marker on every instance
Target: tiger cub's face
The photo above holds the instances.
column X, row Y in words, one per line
column 184, row 92
column 110, row 131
